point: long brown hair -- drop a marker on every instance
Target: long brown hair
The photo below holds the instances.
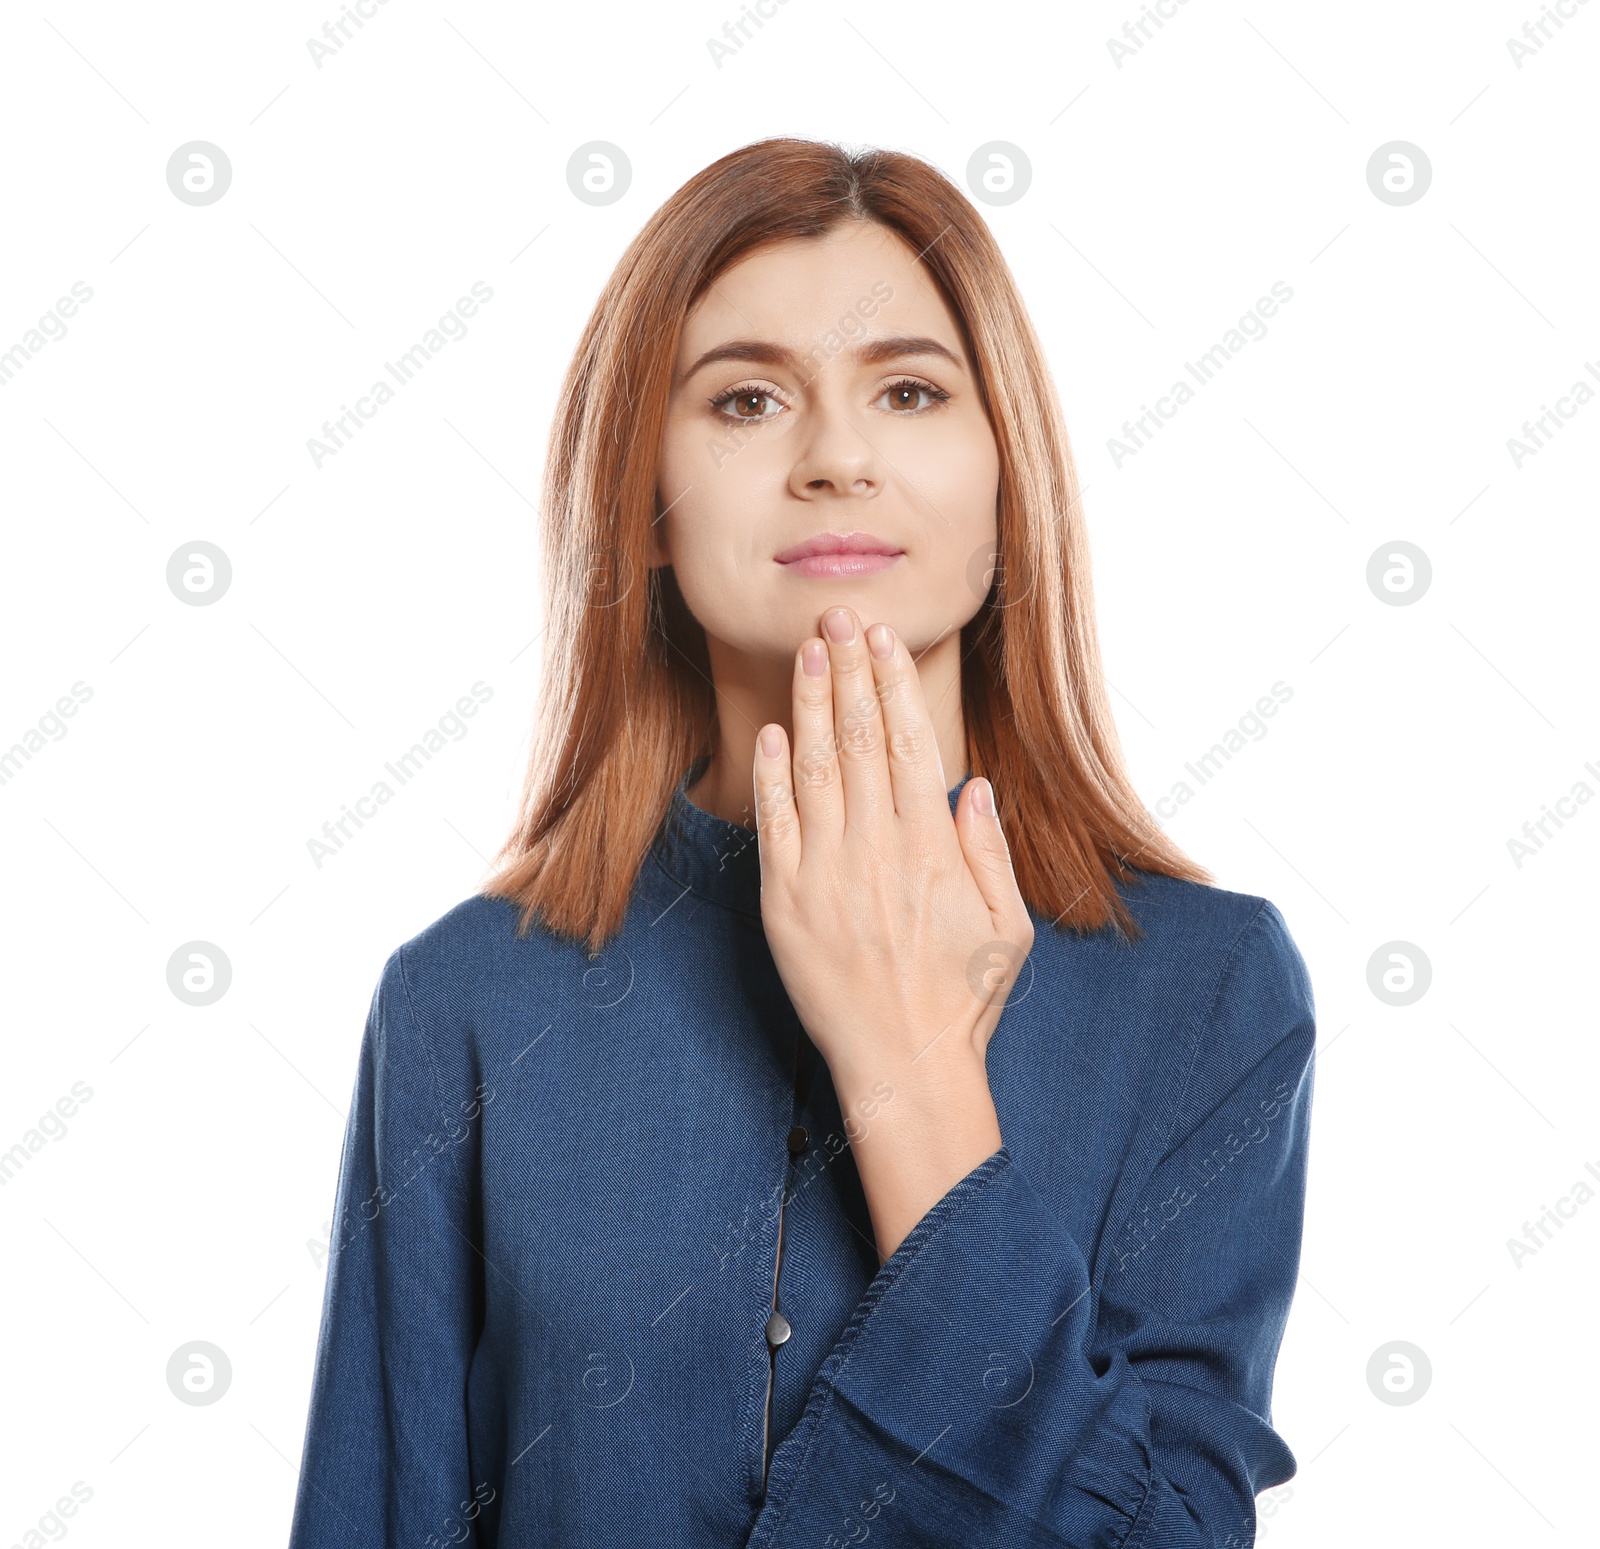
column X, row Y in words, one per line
column 627, row 701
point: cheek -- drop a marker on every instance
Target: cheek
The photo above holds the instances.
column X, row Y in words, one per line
column 725, row 492
column 975, row 468
column 708, row 525
column 674, row 467
column 714, row 465
column 958, row 476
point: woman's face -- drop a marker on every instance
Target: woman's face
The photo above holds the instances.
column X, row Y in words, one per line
column 822, row 390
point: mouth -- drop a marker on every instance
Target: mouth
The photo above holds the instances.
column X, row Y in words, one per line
column 839, row 554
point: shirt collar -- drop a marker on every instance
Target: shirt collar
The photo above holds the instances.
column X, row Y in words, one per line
column 713, row 858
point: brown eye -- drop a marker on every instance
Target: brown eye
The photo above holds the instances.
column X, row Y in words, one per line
column 746, row 403
column 902, row 397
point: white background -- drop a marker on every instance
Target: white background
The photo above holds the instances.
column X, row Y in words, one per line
column 185, row 1199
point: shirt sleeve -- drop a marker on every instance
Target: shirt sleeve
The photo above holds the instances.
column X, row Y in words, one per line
column 992, row 1388
column 385, row 1461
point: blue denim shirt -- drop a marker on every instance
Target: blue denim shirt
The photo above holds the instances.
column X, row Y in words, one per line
column 604, row 1275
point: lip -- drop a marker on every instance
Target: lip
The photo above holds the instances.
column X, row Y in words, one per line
column 836, row 565
column 839, row 554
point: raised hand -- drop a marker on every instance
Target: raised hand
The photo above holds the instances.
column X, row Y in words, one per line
column 898, row 932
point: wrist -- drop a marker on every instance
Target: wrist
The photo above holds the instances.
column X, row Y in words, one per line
column 938, row 1111
column 949, row 1061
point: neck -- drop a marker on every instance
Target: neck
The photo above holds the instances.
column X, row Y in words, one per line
column 751, row 693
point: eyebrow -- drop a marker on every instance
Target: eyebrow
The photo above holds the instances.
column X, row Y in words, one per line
column 869, row 352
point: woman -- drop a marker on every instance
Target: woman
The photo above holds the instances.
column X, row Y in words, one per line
column 694, row 1190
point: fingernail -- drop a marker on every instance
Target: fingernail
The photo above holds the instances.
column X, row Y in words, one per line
column 983, row 796
column 814, row 659
column 837, row 622
column 880, row 641
column 771, row 741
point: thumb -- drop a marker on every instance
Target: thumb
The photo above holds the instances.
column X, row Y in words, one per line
column 983, row 842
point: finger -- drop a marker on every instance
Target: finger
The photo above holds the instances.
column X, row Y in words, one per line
column 916, row 776
column 983, row 842
column 818, row 796
column 858, row 722
column 777, row 823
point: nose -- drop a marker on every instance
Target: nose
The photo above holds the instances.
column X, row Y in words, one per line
column 834, row 457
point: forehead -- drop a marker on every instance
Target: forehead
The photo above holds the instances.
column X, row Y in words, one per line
column 795, row 292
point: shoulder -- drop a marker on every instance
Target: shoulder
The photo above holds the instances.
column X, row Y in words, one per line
column 1235, row 983
column 1233, row 939
column 472, row 934
column 472, row 964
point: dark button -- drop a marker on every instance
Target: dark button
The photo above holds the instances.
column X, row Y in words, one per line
column 799, row 1139
column 778, row 1329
